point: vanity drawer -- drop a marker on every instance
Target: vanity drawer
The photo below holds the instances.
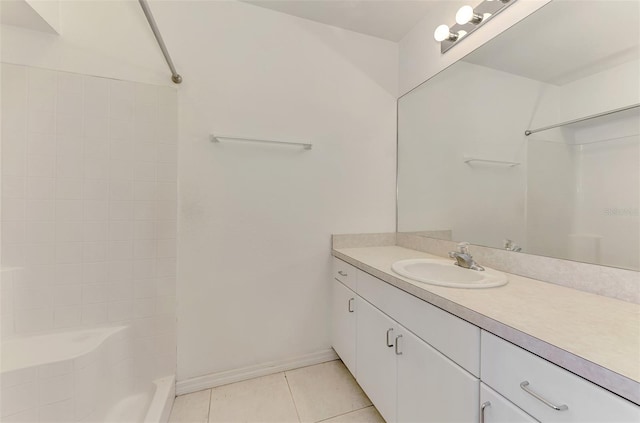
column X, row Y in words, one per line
column 458, row 339
column 345, row 273
column 507, row 369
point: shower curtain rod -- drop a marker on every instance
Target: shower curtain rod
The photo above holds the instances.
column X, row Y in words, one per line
column 175, row 76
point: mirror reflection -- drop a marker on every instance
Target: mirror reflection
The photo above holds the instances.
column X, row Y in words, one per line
column 531, row 142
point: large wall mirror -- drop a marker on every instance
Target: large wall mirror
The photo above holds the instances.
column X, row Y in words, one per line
column 531, row 142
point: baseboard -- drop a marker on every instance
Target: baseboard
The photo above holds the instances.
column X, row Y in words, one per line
column 223, row 378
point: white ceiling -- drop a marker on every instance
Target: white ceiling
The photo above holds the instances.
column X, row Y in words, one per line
column 563, row 41
column 388, row 19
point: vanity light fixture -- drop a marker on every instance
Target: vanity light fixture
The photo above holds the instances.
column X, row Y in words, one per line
column 468, row 19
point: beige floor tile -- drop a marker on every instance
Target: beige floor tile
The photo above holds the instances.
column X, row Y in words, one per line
column 264, row 399
column 366, row 415
column 191, row 408
column 325, row 390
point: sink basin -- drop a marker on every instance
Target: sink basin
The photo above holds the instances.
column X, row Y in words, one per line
column 444, row 273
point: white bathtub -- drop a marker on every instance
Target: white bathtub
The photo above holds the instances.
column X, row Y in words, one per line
column 78, row 376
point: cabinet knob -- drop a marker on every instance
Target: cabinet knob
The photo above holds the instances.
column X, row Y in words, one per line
column 341, row 273
column 351, row 305
column 482, row 407
column 388, row 332
column 525, row 387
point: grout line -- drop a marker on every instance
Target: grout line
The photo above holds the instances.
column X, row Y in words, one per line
column 343, row 414
column 209, row 405
column 291, row 393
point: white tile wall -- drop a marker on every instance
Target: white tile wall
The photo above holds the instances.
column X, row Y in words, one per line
column 88, row 211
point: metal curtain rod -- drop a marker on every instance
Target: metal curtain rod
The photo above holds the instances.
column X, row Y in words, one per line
column 175, row 76
column 582, row 119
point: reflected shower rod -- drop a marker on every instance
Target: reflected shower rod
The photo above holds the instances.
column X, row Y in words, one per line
column 582, row 119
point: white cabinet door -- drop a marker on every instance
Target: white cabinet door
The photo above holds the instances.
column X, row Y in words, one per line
column 431, row 387
column 376, row 358
column 497, row 409
column 343, row 324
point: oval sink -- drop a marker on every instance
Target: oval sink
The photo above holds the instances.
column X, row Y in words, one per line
column 444, row 273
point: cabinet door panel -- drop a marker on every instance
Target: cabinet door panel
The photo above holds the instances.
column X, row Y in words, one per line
column 432, row 388
column 376, row 362
column 501, row 410
column 343, row 327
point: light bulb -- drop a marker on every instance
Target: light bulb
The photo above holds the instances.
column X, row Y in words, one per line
column 466, row 14
column 442, row 33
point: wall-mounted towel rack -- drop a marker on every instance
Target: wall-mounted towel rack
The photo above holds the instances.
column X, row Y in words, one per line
column 218, row 138
column 469, row 160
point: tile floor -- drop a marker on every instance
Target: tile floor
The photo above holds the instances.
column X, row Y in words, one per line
column 322, row 393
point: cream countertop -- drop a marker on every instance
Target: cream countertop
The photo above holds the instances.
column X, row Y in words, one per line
column 593, row 336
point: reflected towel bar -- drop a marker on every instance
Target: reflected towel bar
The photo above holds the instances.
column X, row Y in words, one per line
column 175, row 76
column 218, row 138
column 469, row 160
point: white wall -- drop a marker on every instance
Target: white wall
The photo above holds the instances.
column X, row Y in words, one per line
column 255, row 220
column 419, row 53
column 49, row 10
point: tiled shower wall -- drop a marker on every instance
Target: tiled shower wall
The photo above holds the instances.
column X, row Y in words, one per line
column 88, row 208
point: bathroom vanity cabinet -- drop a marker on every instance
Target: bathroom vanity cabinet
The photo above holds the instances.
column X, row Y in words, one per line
column 406, row 378
column 417, row 362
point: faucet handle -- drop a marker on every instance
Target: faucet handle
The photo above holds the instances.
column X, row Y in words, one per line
column 463, row 248
column 509, row 245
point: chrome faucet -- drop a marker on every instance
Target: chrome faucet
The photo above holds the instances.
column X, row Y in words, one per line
column 464, row 258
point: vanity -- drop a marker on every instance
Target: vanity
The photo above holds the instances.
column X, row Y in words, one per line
column 425, row 353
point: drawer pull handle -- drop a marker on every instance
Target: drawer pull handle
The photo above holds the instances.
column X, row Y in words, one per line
column 482, row 407
column 341, row 273
column 398, row 352
column 351, row 305
column 388, row 332
column 524, row 385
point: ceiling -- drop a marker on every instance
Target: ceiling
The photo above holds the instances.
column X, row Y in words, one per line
column 388, row 19
column 561, row 43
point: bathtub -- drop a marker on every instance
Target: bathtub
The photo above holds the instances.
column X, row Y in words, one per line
column 78, row 376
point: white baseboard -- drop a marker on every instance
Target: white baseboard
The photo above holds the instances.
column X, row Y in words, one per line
column 223, row 378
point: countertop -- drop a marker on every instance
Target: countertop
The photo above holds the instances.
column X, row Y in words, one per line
column 595, row 337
